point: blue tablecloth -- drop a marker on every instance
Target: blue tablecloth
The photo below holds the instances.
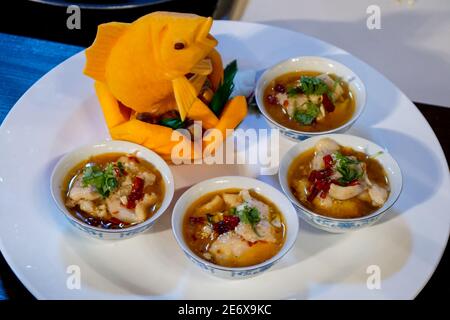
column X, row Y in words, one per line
column 22, row 62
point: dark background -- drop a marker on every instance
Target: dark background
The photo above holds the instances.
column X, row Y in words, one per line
column 43, row 20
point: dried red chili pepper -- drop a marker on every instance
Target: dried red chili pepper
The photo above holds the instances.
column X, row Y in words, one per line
column 229, row 223
column 137, row 192
column 327, row 103
column 320, row 183
column 133, row 158
column 328, row 161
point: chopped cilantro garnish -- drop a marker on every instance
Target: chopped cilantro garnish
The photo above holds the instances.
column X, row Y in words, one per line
column 248, row 215
column 313, row 86
column 307, row 116
column 121, row 167
column 104, row 181
column 346, row 166
column 293, row 91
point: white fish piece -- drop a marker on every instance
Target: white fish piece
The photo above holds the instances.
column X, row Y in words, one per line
column 263, row 228
column 252, row 202
column 78, row 192
column 96, row 211
column 301, row 187
column 344, row 193
column 322, row 114
column 317, row 161
column 323, row 147
column 148, row 177
column 143, row 206
column 378, row 195
column 232, row 200
column 228, row 246
column 214, row 205
column 206, row 232
column 326, row 146
column 276, row 222
column 336, row 175
column 315, row 99
column 292, row 104
column 120, row 212
column 90, row 207
column 335, row 86
column 207, row 256
column 290, row 110
column 129, row 164
column 87, row 206
column 281, row 98
column 324, row 203
column 364, row 196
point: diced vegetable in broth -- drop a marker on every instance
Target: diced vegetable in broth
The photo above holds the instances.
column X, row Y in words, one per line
column 338, row 181
column 113, row 191
column 234, row 228
column 309, row 101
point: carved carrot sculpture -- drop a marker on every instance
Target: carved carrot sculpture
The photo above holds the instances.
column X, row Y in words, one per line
column 157, row 74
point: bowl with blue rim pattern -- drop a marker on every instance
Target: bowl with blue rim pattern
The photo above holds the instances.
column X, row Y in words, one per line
column 336, row 225
column 75, row 157
column 235, row 182
column 315, row 64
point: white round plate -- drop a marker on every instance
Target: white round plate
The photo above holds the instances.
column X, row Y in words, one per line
column 60, row 112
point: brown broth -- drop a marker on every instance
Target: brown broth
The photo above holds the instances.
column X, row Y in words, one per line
column 101, row 160
column 351, row 208
column 345, row 106
column 261, row 251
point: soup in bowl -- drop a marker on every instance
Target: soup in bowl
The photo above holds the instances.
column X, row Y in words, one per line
column 112, row 190
column 307, row 96
column 340, row 182
column 234, row 227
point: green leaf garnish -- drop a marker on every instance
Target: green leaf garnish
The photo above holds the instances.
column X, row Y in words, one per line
column 306, row 117
column 249, row 215
column 121, row 167
column 313, row 86
column 293, row 91
column 346, row 166
column 174, row 123
column 104, row 181
column 224, row 91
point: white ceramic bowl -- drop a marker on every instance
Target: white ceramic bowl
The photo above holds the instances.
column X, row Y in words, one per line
column 70, row 160
column 359, row 144
column 311, row 63
column 220, row 183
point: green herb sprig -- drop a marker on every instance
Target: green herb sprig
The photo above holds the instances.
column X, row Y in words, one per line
column 346, row 166
column 249, row 215
column 313, row 86
column 307, row 116
column 174, row 123
column 104, row 181
column 224, row 91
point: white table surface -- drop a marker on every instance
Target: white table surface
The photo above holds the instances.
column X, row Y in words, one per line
column 412, row 48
